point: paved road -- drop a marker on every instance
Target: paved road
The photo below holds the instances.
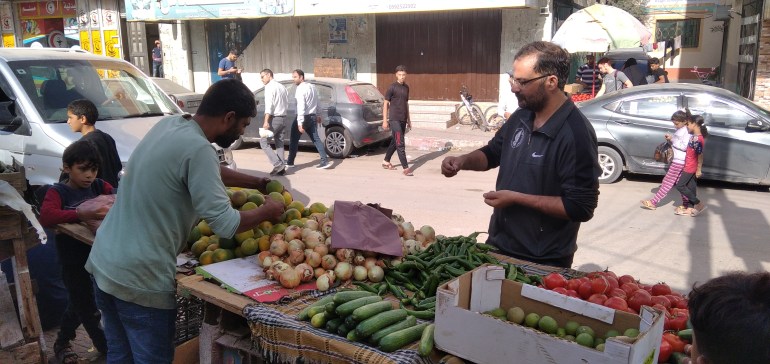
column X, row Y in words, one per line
column 733, row 233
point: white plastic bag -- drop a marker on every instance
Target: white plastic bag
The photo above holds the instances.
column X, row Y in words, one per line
column 265, row 133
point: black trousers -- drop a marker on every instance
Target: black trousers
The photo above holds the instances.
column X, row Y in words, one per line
column 397, row 128
column 687, row 185
column 81, row 308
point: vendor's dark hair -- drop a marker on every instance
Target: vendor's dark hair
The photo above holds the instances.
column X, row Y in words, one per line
column 82, row 151
column 654, row 60
column 228, row 95
column 730, row 316
column 551, row 59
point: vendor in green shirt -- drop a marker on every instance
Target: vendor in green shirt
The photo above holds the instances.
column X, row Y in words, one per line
column 173, row 179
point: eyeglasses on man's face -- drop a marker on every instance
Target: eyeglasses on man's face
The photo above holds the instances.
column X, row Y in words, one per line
column 522, row 83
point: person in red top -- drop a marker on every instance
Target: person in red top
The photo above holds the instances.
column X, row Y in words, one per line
column 81, row 162
column 687, row 185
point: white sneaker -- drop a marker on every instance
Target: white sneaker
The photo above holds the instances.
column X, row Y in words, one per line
column 324, row 166
column 289, row 166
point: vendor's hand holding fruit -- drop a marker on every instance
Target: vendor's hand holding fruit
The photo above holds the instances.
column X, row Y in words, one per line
column 272, row 210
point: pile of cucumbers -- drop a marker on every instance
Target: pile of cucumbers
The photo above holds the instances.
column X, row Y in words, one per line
column 363, row 316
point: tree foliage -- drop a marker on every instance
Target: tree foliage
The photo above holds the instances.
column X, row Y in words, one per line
column 637, row 8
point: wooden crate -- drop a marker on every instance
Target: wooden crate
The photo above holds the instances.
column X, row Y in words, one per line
column 10, row 223
column 16, row 179
column 328, row 67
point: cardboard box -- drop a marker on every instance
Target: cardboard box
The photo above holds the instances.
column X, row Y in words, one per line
column 463, row 331
column 573, row 88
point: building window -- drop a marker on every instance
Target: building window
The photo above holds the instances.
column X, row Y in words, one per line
column 689, row 29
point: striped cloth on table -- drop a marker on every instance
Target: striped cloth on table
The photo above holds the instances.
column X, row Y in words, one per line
column 280, row 338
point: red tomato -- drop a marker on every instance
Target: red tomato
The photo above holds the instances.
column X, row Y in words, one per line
column 600, row 285
column 682, row 304
column 616, row 303
column 613, row 282
column 561, row 290
column 572, row 293
column 646, row 287
column 617, row 292
column 585, row 290
column 660, row 289
column 609, row 273
column 597, row 298
column 665, row 351
column 678, row 320
column 677, row 344
column 662, row 300
column 629, row 288
column 638, row 299
column 574, row 284
column 626, row 279
column 553, row 280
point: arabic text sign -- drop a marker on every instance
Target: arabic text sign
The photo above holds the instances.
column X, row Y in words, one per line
column 206, row 9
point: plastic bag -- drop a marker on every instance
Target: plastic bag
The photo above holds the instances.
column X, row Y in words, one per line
column 99, row 206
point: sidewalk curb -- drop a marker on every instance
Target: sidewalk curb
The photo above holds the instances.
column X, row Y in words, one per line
column 441, row 143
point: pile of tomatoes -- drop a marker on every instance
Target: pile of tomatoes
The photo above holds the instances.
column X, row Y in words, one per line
column 580, row 97
column 625, row 293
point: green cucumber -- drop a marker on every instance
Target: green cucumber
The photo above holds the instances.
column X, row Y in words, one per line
column 426, row 340
column 379, row 321
column 315, row 310
column 333, row 324
column 347, row 308
column 408, row 322
column 319, row 320
column 364, row 312
column 685, row 334
column 302, row 315
column 399, row 339
column 347, row 296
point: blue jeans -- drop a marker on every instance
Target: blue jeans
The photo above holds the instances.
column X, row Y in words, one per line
column 310, row 126
column 135, row 333
column 157, row 69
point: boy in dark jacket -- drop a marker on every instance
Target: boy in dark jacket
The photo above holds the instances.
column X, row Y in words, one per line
column 81, row 163
column 81, row 117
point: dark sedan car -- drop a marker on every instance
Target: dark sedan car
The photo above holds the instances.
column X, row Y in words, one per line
column 351, row 115
column 630, row 123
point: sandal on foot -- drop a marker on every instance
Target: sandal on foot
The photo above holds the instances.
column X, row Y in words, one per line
column 408, row 172
column 388, row 165
column 683, row 211
column 696, row 212
column 648, row 205
column 64, row 354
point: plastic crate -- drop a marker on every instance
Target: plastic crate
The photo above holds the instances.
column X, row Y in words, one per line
column 189, row 316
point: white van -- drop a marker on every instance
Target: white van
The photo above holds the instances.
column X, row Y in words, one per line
column 36, row 85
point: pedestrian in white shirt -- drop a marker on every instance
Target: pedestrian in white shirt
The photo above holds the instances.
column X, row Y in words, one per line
column 276, row 99
column 307, row 120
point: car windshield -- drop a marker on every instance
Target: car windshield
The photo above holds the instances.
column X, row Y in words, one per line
column 118, row 90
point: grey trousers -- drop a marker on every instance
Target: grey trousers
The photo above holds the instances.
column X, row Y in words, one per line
column 277, row 126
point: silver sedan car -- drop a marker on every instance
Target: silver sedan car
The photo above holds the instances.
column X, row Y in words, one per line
column 187, row 100
column 631, row 122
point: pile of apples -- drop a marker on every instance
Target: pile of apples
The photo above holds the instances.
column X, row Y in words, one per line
column 623, row 293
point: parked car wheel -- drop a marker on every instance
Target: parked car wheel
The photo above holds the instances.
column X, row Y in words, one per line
column 339, row 142
column 611, row 164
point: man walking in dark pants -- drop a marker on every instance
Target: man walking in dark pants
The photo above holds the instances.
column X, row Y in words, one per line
column 307, row 105
column 395, row 116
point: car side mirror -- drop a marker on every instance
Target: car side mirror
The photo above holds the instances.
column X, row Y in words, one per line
column 757, row 125
column 8, row 117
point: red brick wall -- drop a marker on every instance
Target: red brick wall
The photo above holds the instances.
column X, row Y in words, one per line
column 762, row 88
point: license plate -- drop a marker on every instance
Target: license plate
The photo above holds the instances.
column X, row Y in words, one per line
column 193, row 103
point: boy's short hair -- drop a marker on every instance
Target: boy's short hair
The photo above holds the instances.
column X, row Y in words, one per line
column 267, row 71
column 228, row 95
column 730, row 316
column 401, row 68
column 654, row 60
column 82, row 151
column 604, row 60
column 83, row 107
column 299, row 72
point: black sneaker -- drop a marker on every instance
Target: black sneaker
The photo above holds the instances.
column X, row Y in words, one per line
column 277, row 169
column 324, row 166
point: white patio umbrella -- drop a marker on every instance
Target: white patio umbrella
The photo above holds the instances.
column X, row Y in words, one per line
column 598, row 28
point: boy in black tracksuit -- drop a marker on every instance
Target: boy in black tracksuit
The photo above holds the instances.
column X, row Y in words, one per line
column 81, row 162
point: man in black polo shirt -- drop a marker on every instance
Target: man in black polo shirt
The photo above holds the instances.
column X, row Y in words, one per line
column 547, row 153
column 395, row 116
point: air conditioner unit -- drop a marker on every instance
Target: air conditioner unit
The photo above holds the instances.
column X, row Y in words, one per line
column 545, row 11
column 722, row 12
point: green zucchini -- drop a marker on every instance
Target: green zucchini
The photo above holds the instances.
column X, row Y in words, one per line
column 429, row 314
column 330, row 307
column 347, row 308
column 315, row 310
column 353, row 336
column 302, row 315
column 318, row 320
column 401, row 338
column 379, row 321
column 343, row 330
column 347, row 296
column 426, row 340
column 333, row 324
column 685, row 334
column 350, row 322
column 364, row 312
column 409, row 321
